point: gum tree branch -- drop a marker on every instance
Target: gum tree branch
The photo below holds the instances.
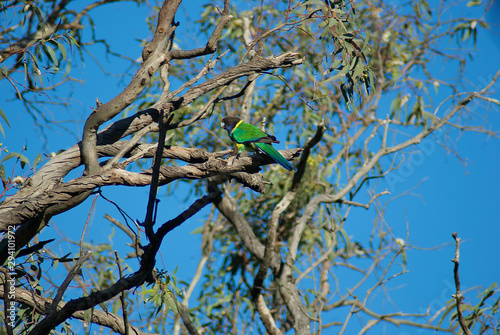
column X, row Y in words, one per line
column 44, row 31
column 153, row 189
column 256, row 291
column 183, row 312
column 34, row 205
column 27, row 215
column 130, row 145
column 384, row 150
column 72, row 273
column 137, row 278
column 58, row 167
column 206, row 248
column 288, row 289
column 154, row 57
column 458, row 294
column 265, row 315
column 393, row 317
column 48, row 28
column 123, row 301
column 255, row 66
column 211, row 45
column 136, row 239
column 228, row 208
column 279, row 209
column 42, row 305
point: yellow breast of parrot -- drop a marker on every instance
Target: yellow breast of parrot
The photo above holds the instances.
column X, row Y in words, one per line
column 246, row 147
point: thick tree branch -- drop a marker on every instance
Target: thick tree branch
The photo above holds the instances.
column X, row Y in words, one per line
column 256, row 65
column 51, row 174
column 152, row 62
column 58, row 167
column 269, row 255
column 35, row 211
column 265, row 315
column 154, row 56
column 126, row 283
column 33, row 206
column 229, row 210
column 183, row 312
column 153, row 189
column 211, row 45
column 65, row 162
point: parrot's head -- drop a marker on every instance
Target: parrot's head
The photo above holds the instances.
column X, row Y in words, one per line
column 229, row 123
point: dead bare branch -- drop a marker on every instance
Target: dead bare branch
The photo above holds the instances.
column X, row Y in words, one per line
column 458, row 294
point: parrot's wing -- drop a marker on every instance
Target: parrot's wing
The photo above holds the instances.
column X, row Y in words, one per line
column 245, row 132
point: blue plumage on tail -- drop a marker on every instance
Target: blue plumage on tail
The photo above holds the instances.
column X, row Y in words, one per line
column 274, row 155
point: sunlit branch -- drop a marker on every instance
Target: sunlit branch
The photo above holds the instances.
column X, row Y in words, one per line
column 393, row 317
column 322, row 258
column 136, row 238
column 152, row 62
column 153, row 127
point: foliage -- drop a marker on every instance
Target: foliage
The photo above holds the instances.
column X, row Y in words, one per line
column 343, row 84
column 40, row 47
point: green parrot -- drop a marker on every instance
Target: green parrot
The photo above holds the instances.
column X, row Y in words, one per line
column 251, row 138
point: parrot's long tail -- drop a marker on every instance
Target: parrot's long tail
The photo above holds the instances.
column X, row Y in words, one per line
column 274, row 155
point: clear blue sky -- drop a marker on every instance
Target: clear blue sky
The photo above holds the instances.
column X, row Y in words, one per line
column 446, row 196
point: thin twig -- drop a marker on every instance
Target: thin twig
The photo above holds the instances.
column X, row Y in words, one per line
column 142, row 153
column 291, row 89
column 201, row 113
column 136, row 239
column 74, row 271
column 458, row 294
column 126, row 148
column 315, row 264
column 206, row 69
column 87, row 223
column 122, row 296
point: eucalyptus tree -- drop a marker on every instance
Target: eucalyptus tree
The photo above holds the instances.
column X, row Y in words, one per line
column 352, row 87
